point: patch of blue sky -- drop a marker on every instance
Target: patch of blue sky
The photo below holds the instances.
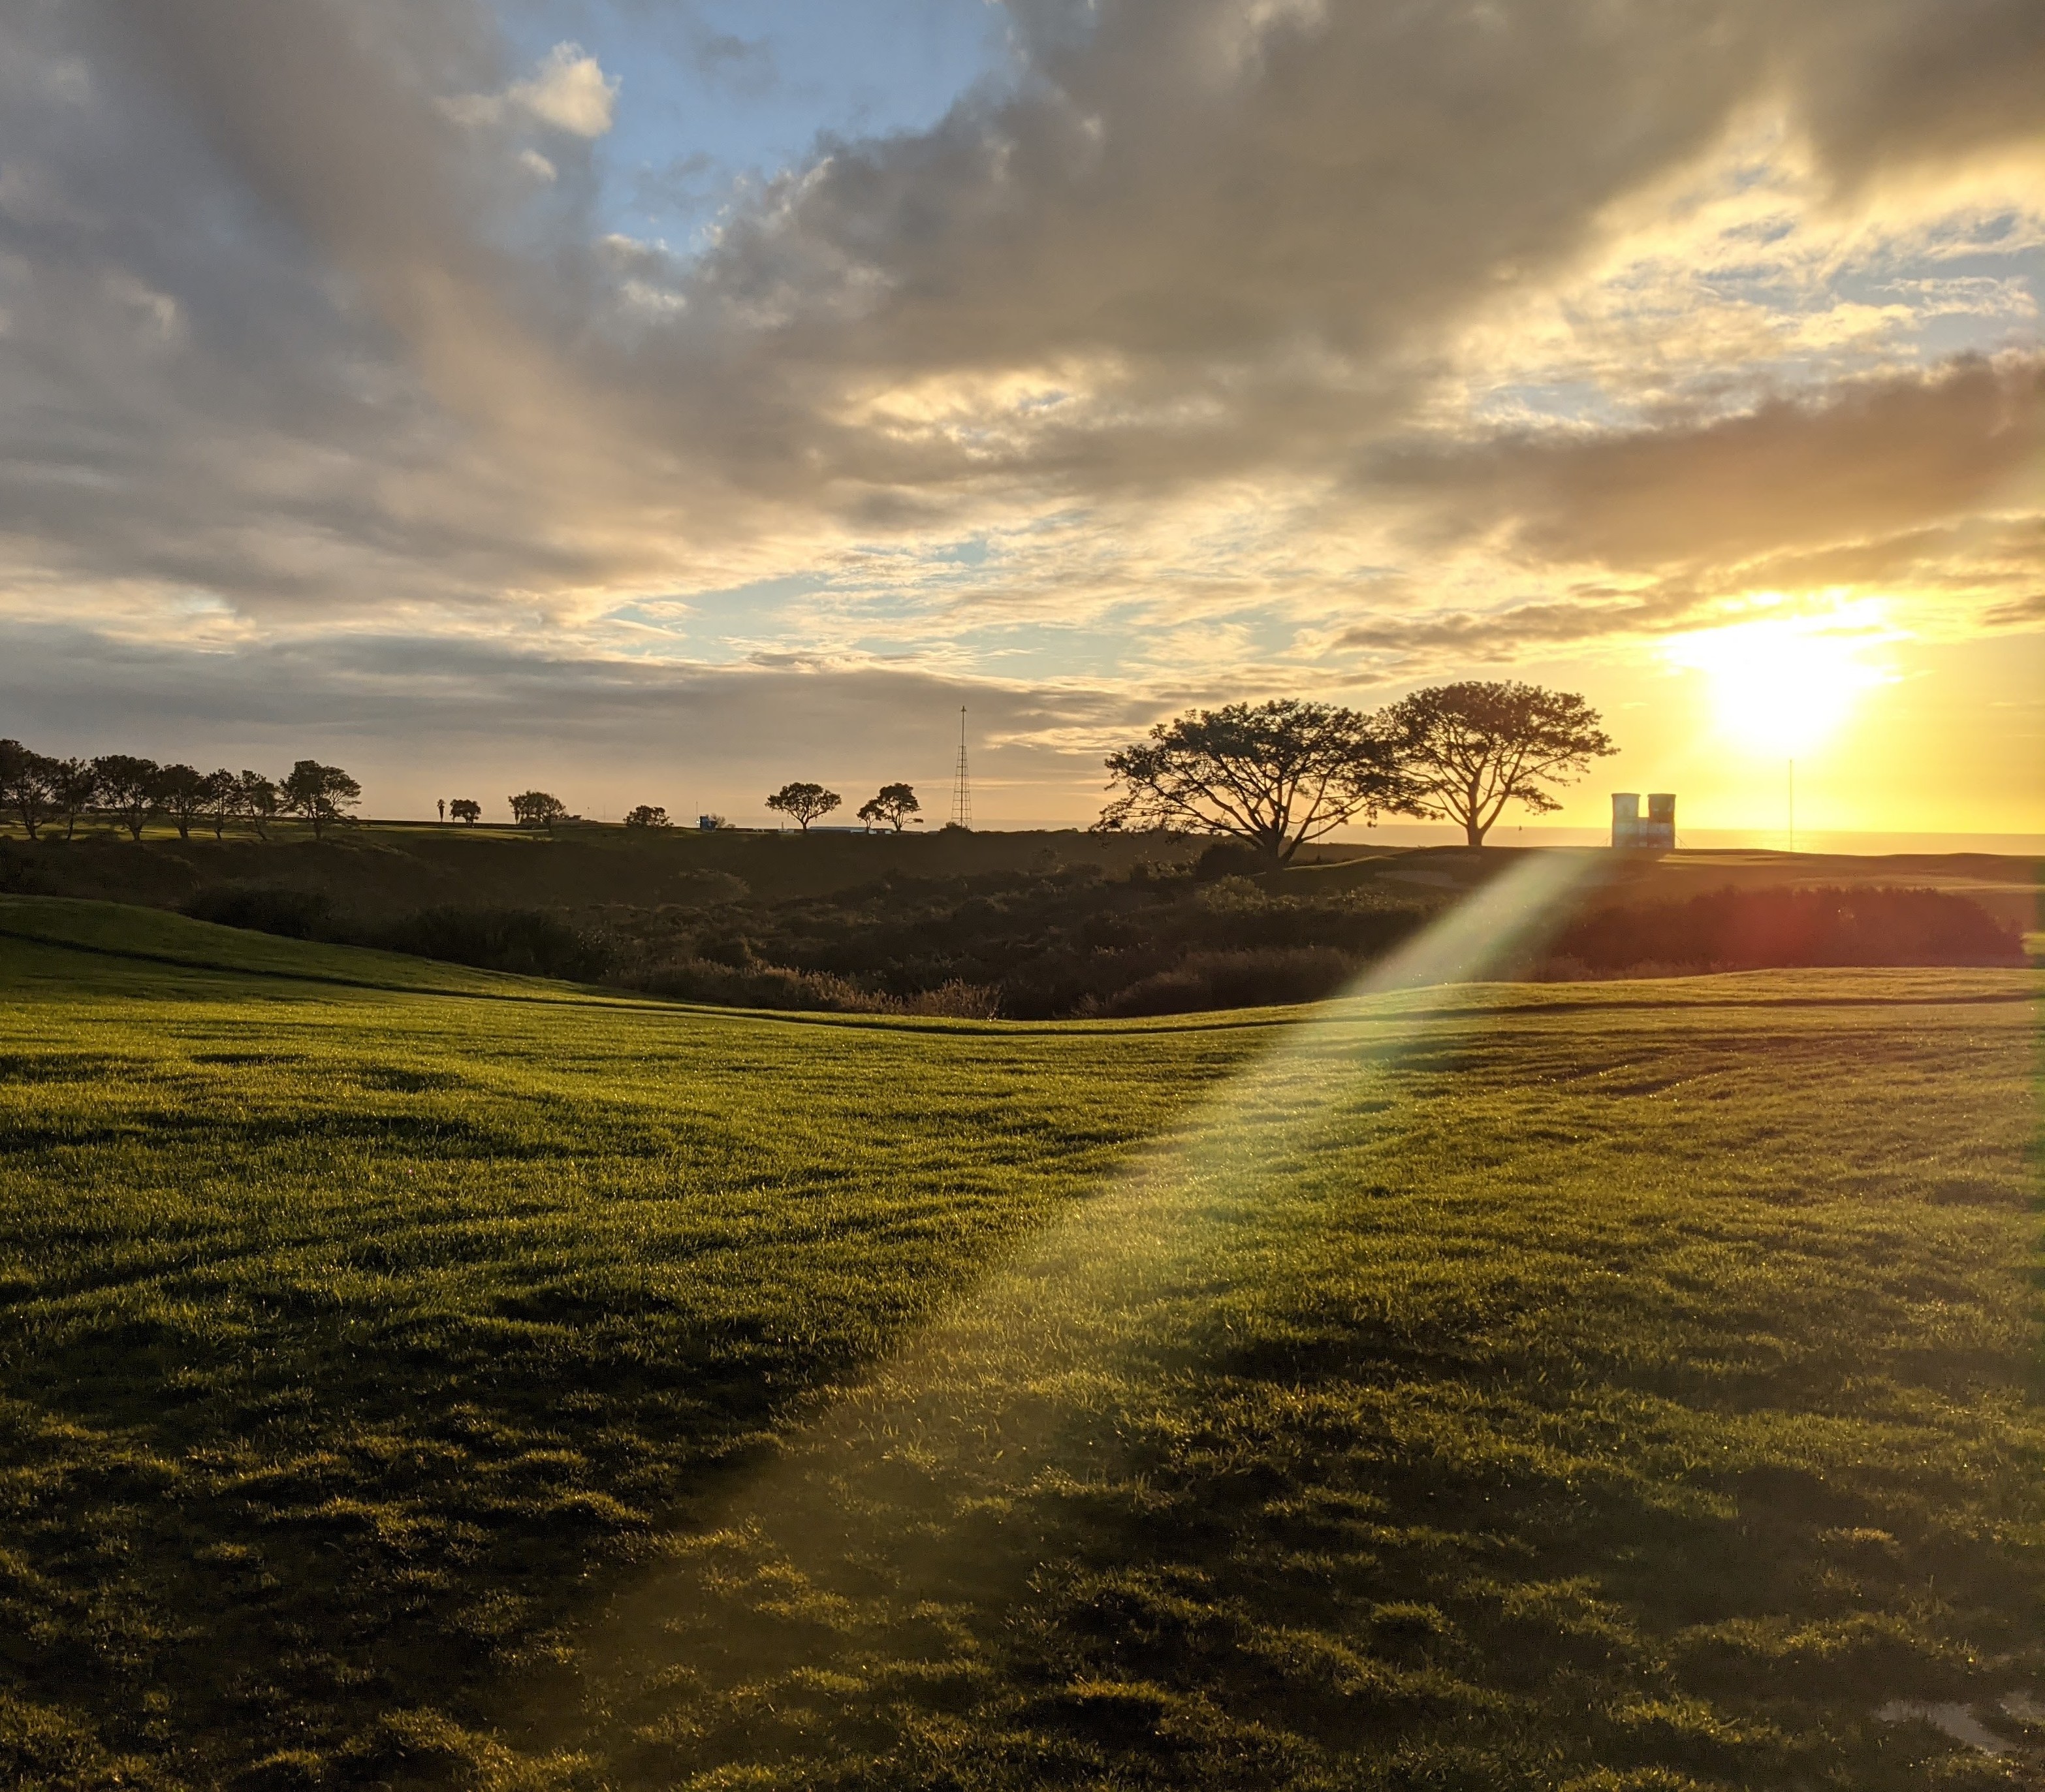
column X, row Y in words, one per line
column 715, row 96
column 1581, row 403
column 971, row 552
column 716, row 627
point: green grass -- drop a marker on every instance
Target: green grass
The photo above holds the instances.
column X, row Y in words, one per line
column 412, row 1381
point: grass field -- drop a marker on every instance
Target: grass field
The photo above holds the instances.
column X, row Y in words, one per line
column 417, row 1377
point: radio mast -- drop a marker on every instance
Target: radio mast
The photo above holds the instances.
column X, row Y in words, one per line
column 962, row 785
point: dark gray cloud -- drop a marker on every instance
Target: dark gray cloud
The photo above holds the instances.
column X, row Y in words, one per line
column 1859, row 463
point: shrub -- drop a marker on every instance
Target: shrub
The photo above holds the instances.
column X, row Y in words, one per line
column 961, row 1001
column 1757, row 929
column 756, row 985
column 1237, row 980
column 266, row 908
column 1230, row 858
column 528, row 941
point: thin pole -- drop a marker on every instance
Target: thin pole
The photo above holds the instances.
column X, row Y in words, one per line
column 1792, row 805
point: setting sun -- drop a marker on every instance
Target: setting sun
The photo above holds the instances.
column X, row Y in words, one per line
column 1781, row 686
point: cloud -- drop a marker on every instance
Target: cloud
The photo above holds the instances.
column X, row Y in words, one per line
column 1863, row 460
column 570, row 92
column 1206, row 317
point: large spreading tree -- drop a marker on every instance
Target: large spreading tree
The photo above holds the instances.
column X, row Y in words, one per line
column 804, row 802
column 893, row 803
column 1275, row 776
column 322, row 794
column 1465, row 751
column 537, row 808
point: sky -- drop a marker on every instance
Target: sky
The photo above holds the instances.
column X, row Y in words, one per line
column 657, row 403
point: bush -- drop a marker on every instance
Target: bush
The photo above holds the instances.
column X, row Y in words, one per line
column 1237, row 980
column 1231, row 858
column 265, row 909
column 1760, row 929
column 756, row 985
column 961, row 1001
column 527, row 941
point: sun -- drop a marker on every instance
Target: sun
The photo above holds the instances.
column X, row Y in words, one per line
column 1779, row 687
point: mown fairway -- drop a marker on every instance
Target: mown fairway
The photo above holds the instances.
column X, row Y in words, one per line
column 1631, row 1385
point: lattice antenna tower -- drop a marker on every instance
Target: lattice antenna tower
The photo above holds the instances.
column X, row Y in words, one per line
column 961, row 783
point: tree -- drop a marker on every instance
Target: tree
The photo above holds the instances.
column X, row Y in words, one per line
column 28, row 785
column 322, row 794
column 894, row 803
column 440, row 805
column 182, row 794
column 1275, row 776
column 1466, row 751
column 466, row 809
column 536, row 808
column 804, row 802
column 648, row 815
column 223, row 799
column 258, row 800
column 75, row 787
column 127, row 789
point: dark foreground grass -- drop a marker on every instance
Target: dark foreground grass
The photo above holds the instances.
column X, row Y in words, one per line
column 1629, row 1386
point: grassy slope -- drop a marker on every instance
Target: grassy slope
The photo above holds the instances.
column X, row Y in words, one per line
column 1636, row 1381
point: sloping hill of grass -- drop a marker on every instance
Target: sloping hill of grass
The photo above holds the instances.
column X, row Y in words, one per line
column 1622, row 1387
column 122, row 931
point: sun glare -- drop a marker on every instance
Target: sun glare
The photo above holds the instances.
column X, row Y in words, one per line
column 1782, row 686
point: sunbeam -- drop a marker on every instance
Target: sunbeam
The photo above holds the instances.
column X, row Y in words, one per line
column 914, row 1507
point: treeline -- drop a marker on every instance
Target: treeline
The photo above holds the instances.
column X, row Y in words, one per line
column 44, row 792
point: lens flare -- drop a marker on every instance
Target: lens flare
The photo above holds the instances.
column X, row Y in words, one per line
column 905, row 1506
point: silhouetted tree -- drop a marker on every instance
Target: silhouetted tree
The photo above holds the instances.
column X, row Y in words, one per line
column 28, row 785
column 223, row 799
column 1466, row 751
column 894, row 804
column 440, row 807
column 466, row 809
column 258, row 799
column 648, row 815
column 537, row 808
column 127, row 789
column 322, row 794
column 804, row 802
column 1275, row 776
column 75, row 787
column 181, row 794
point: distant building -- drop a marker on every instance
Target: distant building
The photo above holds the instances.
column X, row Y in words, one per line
column 1655, row 831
